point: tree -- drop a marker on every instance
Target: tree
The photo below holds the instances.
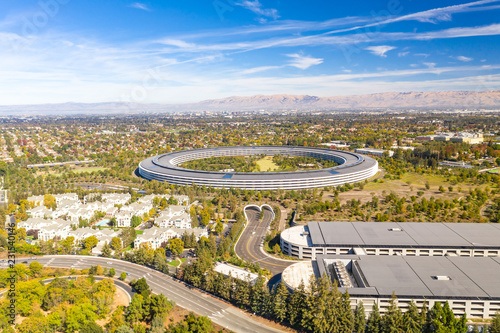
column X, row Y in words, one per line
column 159, row 307
column 280, row 297
column 128, row 236
column 36, row 268
column 495, row 324
column 124, row 329
column 135, row 221
column 219, row 227
column 193, row 324
column 49, row 201
column 116, row 243
column 373, row 325
column 393, row 318
column 157, row 325
column 296, row 304
column 68, row 244
column 359, row 318
column 91, row 327
column 117, row 320
column 111, row 272
column 412, row 319
column 90, row 242
column 106, row 250
column 176, row 246
column 142, row 287
column 135, row 309
column 123, row 276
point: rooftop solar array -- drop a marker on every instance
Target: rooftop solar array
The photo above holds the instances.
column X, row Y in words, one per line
column 416, row 277
column 404, row 234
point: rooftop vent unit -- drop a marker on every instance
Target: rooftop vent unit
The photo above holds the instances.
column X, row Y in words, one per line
column 441, row 277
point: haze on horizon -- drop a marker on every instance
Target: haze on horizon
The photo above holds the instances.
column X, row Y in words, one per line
column 56, row 51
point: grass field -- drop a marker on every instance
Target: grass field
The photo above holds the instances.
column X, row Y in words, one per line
column 495, row 171
column 176, row 262
column 75, row 170
column 409, row 184
column 267, row 164
column 413, row 179
column 88, row 169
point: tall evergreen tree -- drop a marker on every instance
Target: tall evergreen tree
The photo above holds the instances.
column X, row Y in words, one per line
column 310, row 306
column 424, row 318
column 435, row 318
column 257, row 295
column 392, row 321
column 280, row 297
column 296, row 305
column 346, row 316
column 359, row 319
column 411, row 319
column 373, row 325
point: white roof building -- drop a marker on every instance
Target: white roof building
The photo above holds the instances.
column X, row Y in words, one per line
column 236, row 272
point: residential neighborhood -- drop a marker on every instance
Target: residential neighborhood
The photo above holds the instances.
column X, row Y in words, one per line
column 102, row 215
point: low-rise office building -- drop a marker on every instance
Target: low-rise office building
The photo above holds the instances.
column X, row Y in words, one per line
column 469, row 285
column 374, row 152
column 392, row 238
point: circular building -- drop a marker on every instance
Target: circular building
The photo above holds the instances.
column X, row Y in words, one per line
column 352, row 168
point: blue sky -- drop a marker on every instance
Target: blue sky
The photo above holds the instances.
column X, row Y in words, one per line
column 55, row 51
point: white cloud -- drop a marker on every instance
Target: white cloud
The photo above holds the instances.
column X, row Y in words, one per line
column 256, row 7
column 464, row 58
column 258, row 69
column 380, row 50
column 303, row 62
column 178, row 43
column 140, row 5
column 403, row 54
column 430, row 64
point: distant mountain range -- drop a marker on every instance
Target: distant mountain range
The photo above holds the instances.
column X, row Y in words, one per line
column 392, row 100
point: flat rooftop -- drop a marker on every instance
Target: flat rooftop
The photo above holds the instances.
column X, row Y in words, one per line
column 236, row 272
column 428, row 277
column 404, row 234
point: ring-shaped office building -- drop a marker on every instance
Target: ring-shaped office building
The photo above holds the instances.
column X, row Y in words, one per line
column 351, row 168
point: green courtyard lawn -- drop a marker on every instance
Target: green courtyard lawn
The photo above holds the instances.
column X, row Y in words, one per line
column 267, row 164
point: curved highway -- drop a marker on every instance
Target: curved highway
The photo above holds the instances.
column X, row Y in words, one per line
column 249, row 246
column 185, row 296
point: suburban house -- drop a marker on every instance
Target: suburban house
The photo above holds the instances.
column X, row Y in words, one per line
column 157, row 236
column 174, row 216
column 123, row 219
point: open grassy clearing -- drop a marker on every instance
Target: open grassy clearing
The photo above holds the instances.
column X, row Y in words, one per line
column 88, row 169
column 76, row 170
column 176, row 262
column 267, row 164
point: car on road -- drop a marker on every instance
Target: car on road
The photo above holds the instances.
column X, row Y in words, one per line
column 24, row 262
column 109, row 263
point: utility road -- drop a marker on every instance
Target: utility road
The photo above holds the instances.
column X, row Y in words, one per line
column 249, row 246
column 185, row 296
